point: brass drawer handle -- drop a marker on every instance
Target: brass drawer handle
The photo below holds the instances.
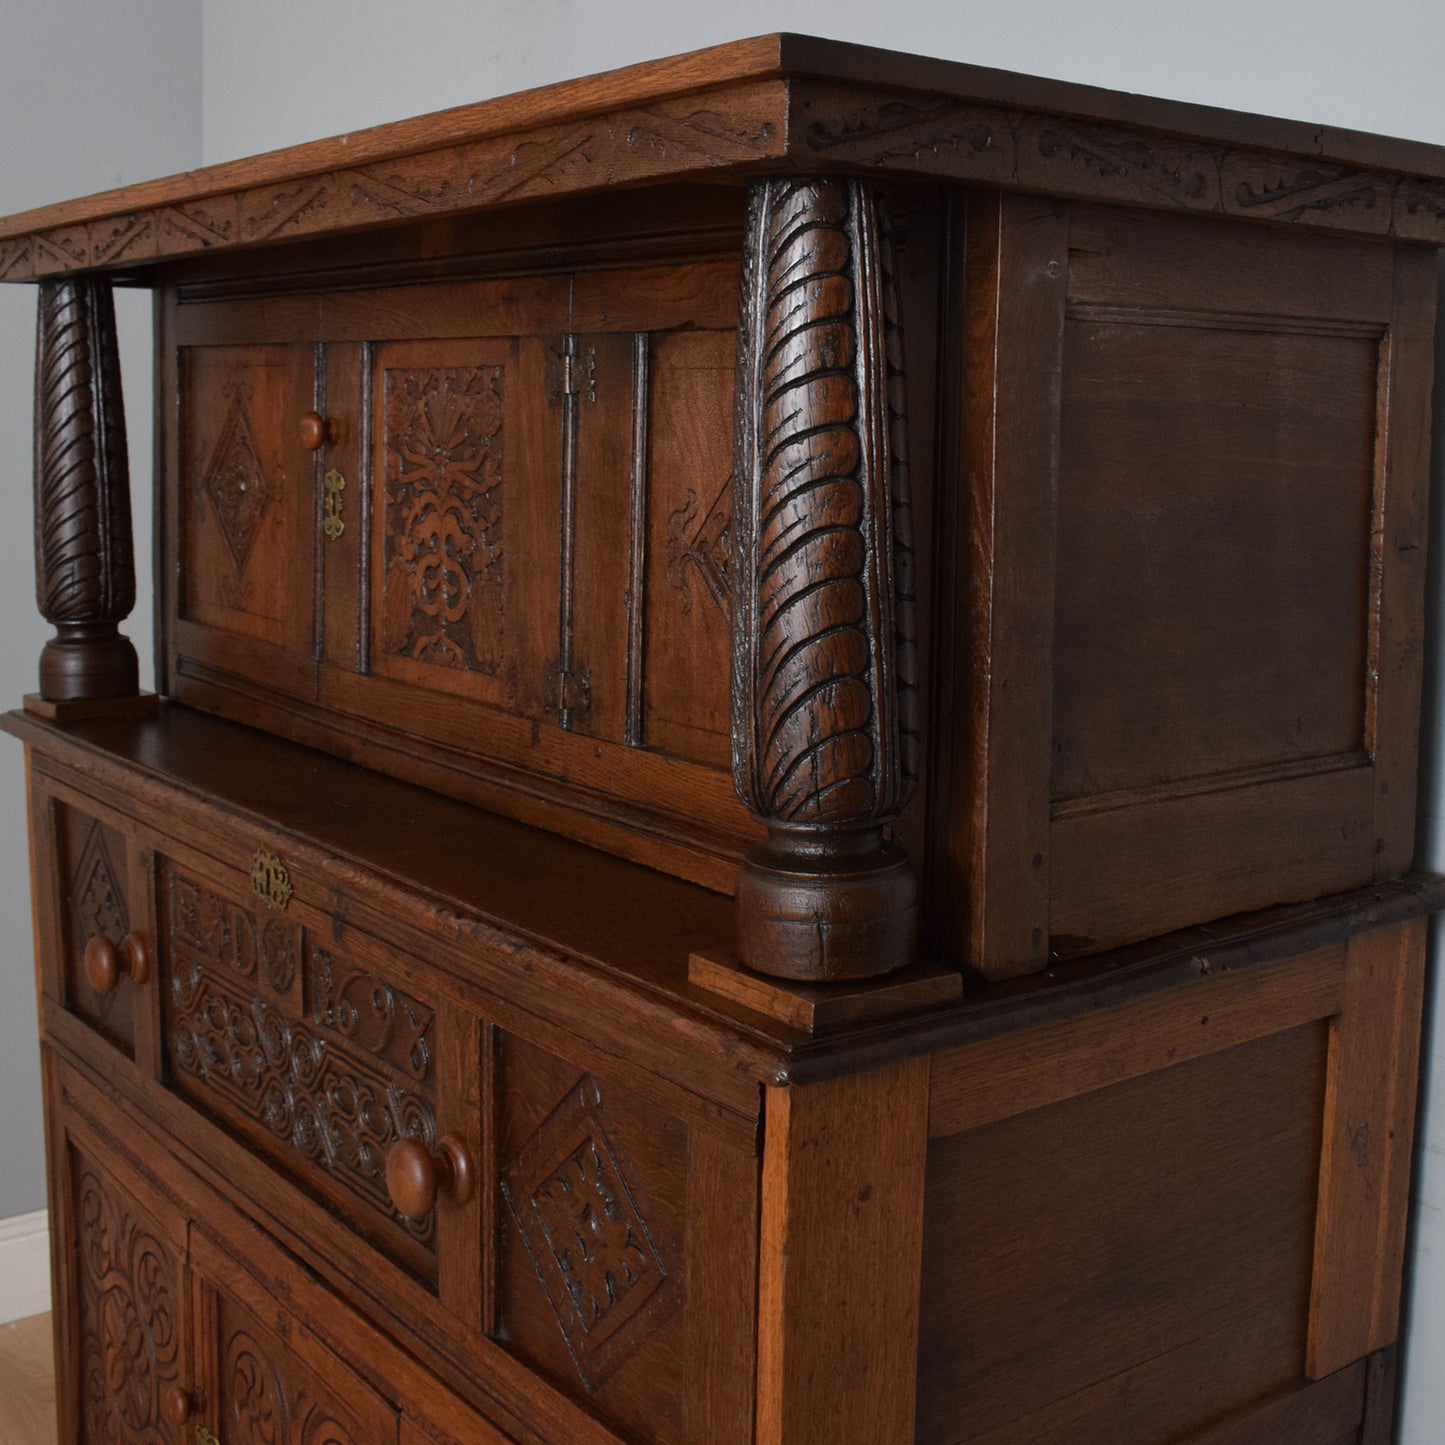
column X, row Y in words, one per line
column 333, row 526
column 415, row 1175
column 107, row 962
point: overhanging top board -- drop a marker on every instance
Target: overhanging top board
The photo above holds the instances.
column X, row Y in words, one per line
column 776, row 102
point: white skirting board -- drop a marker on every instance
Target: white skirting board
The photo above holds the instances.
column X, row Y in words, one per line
column 24, row 1266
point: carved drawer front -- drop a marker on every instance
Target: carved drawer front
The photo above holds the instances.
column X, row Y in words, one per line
column 312, row 1045
column 244, row 520
column 627, row 1254
column 121, row 1276
column 90, row 934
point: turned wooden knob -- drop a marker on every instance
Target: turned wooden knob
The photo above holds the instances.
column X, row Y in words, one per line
column 106, row 962
column 316, row 431
column 415, row 1175
column 177, row 1404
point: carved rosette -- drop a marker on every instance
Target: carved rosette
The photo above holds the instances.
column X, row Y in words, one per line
column 824, row 685
column 85, row 570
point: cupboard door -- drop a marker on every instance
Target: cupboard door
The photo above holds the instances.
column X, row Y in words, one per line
column 121, row 1279
column 272, row 1380
column 246, row 514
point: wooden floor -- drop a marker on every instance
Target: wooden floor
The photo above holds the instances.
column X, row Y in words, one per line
column 27, row 1383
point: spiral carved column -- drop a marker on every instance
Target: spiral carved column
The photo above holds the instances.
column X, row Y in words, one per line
column 85, row 568
column 824, row 678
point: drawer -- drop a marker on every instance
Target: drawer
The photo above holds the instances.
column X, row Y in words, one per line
column 320, row 1052
column 91, row 899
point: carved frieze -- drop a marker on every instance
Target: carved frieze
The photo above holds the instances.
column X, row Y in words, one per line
column 130, row 1333
column 444, row 515
column 586, row 1235
column 669, row 137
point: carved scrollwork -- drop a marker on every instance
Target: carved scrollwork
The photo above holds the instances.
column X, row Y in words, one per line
column 129, row 1331
column 335, row 1106
column 268, row 1400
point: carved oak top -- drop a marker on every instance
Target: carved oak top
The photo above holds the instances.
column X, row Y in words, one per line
column 776, row 102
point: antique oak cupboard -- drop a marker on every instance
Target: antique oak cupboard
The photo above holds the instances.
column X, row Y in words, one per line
column 782, row 802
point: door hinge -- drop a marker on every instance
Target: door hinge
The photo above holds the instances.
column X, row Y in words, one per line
column 571, row 371
column 569, row 694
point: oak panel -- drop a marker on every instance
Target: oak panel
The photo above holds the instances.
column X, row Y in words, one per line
column 1169, row 1219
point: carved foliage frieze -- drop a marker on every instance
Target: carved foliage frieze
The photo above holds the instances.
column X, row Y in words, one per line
column 327, row 1090
column 658, row 140
column 585, row 1232
column 824, row 684
column 234, row 481
column 130, row 1332
column 1069, row 156
column 443, row 523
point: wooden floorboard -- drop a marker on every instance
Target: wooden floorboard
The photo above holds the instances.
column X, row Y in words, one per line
column 27, row 1383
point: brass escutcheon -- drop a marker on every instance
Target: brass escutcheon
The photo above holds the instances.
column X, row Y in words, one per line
column 333, row 526
column 206, row 1437
column 270, row 880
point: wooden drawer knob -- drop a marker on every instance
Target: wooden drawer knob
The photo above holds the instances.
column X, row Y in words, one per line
column 415, row 1175
column 178, row 1404
column 316, row 431
column 106, row 962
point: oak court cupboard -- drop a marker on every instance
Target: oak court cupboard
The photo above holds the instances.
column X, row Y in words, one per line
column 781, row 805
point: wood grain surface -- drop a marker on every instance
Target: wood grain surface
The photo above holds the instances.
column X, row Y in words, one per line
column 27, row 1382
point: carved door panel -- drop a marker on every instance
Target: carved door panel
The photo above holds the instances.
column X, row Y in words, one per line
column 463, row 520
column 246, row 514
column 273, row 1382
column 121, row 1275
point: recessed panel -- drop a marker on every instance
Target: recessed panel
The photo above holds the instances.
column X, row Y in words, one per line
column 1216, row 479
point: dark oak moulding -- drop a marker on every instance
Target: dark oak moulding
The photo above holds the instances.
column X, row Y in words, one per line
column 781, row 805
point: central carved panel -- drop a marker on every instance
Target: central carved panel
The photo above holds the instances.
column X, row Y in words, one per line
column 335, row 1091
column 442, row 588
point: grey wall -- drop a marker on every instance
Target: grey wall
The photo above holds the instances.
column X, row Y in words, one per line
column 92, row 95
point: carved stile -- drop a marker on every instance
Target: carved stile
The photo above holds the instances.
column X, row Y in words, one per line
column 85, row 570
column 824, row 675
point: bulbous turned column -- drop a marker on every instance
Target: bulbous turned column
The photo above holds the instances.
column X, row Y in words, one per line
column 84, row 564
column 824, row 680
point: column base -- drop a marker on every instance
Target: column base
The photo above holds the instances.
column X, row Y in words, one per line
column 88, row 661
column 823, row 906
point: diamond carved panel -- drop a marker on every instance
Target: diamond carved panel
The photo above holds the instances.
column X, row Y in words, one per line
column 586, row 1235
column 235, row 483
